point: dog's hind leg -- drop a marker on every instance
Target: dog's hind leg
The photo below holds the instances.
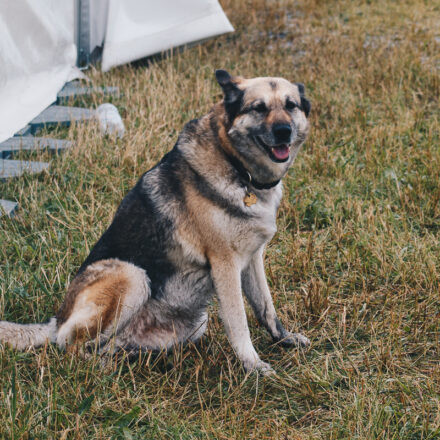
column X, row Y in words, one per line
column 100, row 301
column 257, row 292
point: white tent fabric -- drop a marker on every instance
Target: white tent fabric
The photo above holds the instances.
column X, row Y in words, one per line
column 137, row 29
column 98, row 22
column 38, row 38
column 37, row 57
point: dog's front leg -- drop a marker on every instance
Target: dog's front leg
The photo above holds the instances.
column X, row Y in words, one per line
column 258, row 294
column 226, row 277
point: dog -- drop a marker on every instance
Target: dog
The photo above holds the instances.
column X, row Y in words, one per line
column 194, row 225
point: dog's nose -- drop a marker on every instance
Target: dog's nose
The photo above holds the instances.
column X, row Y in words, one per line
column 282, row 132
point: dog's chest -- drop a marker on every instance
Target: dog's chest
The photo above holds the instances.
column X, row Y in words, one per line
column 245, row 235
column 234, row 230
column 248, row 236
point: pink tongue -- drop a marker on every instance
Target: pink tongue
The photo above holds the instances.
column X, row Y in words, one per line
column 281, row 152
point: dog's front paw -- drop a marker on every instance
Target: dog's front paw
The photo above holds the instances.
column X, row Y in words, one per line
column 294, row 340
column 259, row 367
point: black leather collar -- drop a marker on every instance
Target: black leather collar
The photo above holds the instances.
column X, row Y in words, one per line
column 246, row 175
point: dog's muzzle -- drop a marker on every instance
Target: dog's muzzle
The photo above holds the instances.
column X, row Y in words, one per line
column 279, row 152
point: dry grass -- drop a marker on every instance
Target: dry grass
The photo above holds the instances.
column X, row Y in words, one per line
column 355, row 264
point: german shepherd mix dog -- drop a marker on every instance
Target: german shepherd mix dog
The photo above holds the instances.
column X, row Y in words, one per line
column 195, row 224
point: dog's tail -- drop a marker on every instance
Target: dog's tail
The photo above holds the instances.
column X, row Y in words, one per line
column 22, row 336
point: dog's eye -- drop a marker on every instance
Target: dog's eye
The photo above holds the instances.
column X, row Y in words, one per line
column 260, row 107
column 290, row 105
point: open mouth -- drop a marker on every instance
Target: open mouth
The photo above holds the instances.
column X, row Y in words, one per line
column 278, row 153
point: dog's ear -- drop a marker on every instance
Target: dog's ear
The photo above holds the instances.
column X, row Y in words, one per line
column 305, row 103
column 228, row 85
column 232, row 93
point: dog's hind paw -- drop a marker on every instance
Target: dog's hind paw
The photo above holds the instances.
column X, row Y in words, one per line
column 295, row 340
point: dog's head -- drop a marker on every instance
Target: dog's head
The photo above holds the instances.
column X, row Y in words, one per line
column 267, row 122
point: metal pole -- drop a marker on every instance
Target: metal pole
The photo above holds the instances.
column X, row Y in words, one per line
column 83, row 32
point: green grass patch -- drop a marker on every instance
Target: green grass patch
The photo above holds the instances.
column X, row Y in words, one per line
column 355, row 263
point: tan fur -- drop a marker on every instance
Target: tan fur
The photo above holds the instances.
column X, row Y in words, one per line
column 106, row 296
column 258, row 88
column 226, row 275
column 96, row 299
column 198, row 230
column 277, row 116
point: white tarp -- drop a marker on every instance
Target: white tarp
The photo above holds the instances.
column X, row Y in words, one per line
column 98, row 22
column 37, row 57
column 136, row 29
column 38, row 52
